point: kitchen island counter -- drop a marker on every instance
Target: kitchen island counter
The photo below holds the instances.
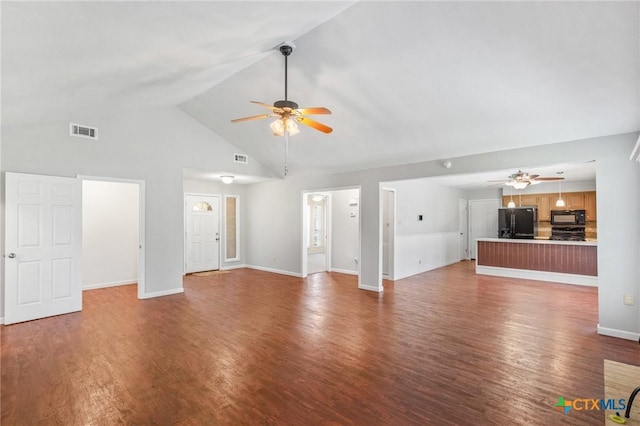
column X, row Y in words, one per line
column 570, row 262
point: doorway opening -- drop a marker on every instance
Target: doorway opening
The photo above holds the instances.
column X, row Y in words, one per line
column 330, row 231
column 113, row 213
column 388, row 231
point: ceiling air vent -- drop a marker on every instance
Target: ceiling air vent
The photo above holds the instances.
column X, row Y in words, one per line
column 240, row 158
column 81, row 131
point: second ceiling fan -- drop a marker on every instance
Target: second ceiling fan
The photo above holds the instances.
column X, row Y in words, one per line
column 287, row 112
column 521, row 180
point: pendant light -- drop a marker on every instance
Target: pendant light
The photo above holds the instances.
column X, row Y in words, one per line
column 511, row 204
column 560, row 201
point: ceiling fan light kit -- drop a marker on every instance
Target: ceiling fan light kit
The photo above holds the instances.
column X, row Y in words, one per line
column 286, row 112
column 521, row 180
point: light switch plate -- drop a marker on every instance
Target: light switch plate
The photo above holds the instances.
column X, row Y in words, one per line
column 628, row 300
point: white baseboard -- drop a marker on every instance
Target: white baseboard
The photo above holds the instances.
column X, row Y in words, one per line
column 621, row 334
column 370, row 288
column 105, row 285
column 275, row 271
column 527, row 274
column 162, row 293
column 344, row 271
column 226, row 268
column 1, row 320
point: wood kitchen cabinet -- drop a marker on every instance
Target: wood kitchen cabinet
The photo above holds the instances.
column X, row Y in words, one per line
column 574, row 200
column 527, row 200
column 544, row 206
column 590, row 205
column 547, row 202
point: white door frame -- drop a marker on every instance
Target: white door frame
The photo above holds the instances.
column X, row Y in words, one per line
column 305, row 229
column 142, row 289
column 220, row 227
column 392, row 235
column 464, row 226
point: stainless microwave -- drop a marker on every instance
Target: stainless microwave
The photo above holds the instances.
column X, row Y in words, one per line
column 568, row 217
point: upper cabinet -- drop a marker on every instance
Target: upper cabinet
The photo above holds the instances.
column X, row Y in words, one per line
column 544, row 209
column 547, row 202
column 590, row 205
column 574, row 200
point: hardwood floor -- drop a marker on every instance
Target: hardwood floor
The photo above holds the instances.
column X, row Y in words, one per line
column 444, row 347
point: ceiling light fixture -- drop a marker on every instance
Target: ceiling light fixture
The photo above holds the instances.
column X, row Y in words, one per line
column 518, row 184
column 227, row 179
column 281, row 125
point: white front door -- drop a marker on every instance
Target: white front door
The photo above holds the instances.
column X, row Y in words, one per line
column 43, row 246
column 202, row 233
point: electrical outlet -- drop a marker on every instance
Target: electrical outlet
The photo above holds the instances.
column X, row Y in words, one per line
column 628, row 300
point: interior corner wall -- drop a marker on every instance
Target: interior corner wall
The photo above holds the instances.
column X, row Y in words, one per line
column 110, row 233
column 150, row 145
column 345, row 230
column 213, row 188
column 433, row 241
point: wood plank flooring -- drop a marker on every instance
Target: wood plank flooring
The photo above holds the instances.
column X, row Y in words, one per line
column 446, row 347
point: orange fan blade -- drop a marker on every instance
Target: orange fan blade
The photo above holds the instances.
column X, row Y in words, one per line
column 262, row 104
column 313, row 110
column 531, row 177
column 549, row 178
column 312, row 123
column 253, row 117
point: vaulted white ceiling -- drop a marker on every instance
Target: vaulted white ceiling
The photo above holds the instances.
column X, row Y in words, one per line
column 406, row 81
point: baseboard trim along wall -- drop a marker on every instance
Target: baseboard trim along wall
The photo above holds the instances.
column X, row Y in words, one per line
column 229, row 267
column 370, row 288
column 105, row 285
column 621, row 334
column 163, row 293
column 555, row 277
column 344, row 271
column 275, row 271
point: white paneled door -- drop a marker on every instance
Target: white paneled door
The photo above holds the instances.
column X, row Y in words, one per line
column 43, row 246
column 202, row 233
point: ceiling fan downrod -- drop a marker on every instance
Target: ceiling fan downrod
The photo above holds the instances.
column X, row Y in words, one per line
column 286, row 50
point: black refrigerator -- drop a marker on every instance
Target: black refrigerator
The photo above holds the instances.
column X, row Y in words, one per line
column 518, row 222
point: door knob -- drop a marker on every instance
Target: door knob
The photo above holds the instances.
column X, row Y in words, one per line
column 11, row 255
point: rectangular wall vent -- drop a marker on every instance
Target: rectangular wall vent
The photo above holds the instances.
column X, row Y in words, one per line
column 240, row 158
column 81, row 131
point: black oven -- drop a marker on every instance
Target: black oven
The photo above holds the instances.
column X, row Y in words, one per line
column 568, row 217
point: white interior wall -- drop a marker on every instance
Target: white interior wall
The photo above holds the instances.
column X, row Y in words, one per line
column 153, row 146
column 110, row 233
column 216, row 188
column 345, row 227
column 434, row 241
column 277, row 225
